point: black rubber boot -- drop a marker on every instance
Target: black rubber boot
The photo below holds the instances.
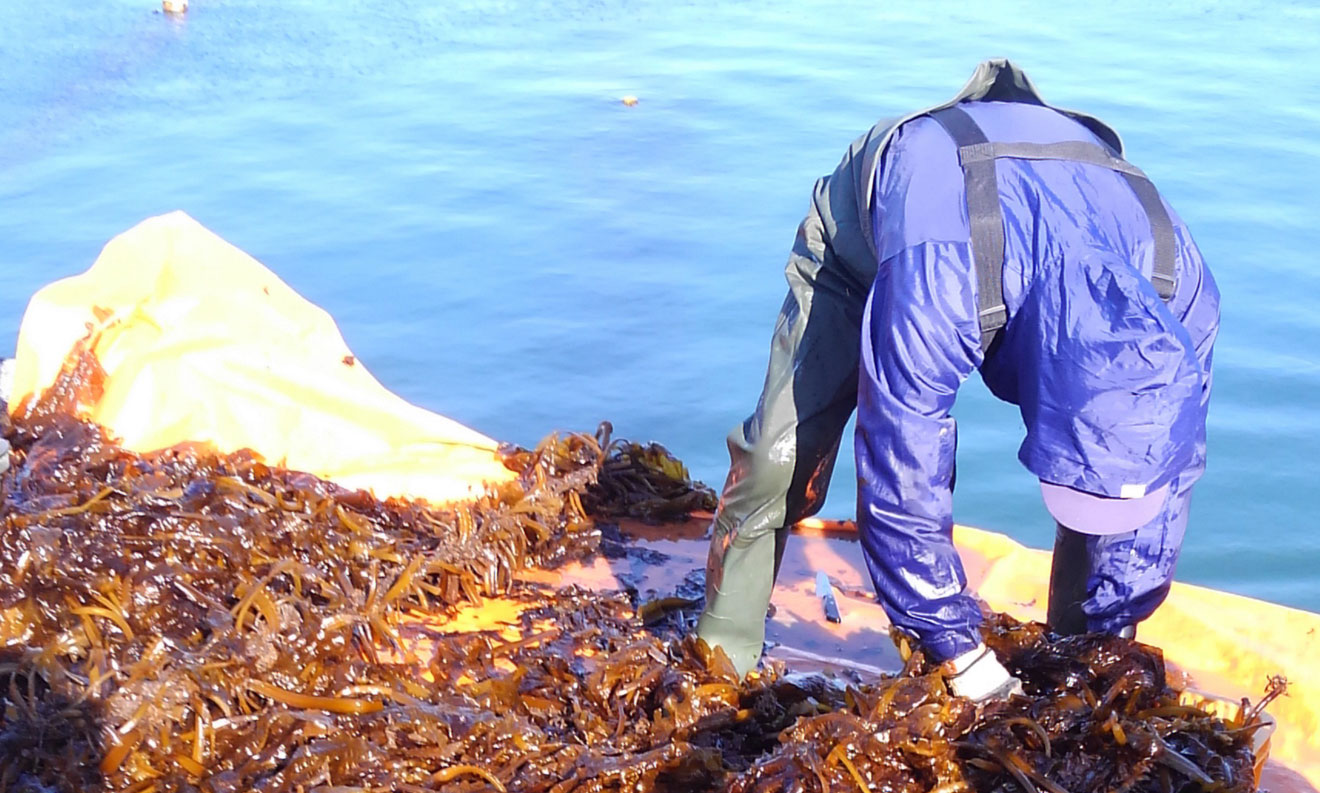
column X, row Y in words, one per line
column 1069, row 571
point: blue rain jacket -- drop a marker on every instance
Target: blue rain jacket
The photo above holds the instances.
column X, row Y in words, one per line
column 1112, row 381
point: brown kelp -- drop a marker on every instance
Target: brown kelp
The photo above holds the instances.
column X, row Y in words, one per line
column 191, row 621
column 1098, row 715
column 200, row 616
column 643, row 481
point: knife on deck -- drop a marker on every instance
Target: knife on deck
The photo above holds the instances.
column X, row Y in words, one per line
column 826, row 594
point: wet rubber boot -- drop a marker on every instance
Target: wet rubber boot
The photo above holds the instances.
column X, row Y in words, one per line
column 740, row 575
column 1070, row 570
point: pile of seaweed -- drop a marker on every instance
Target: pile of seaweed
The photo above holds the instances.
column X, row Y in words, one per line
column 643, row 481
column 1098, row 715
column 190, row 621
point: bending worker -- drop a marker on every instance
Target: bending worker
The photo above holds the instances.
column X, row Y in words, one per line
column 992, row 233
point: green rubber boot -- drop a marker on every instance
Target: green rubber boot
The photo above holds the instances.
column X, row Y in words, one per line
column 740, row 575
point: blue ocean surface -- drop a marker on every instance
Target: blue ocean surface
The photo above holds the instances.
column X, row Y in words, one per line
column 504, row 241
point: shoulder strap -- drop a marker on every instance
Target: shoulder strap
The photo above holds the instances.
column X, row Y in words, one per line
column 977, row 156
column 986, row 218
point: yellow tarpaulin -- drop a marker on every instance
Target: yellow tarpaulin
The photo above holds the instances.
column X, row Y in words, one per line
column 200, row 342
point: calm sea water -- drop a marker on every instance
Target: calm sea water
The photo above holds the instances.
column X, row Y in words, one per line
column 503, row 241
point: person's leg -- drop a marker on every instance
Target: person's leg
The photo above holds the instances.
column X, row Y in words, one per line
column 1111, row 583
column 1070, row 572
column 782, row 456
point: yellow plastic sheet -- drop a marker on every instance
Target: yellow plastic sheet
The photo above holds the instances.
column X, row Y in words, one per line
column 200, row 342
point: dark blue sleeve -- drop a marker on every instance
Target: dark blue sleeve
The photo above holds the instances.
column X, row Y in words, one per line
column 920, row 341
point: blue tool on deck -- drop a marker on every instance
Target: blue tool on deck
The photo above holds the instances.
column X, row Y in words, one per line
column 826, row 594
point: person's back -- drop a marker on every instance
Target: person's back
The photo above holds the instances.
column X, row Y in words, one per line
column 1061, row 218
